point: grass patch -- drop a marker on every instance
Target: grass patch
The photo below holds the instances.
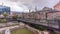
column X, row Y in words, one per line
column 22, row 31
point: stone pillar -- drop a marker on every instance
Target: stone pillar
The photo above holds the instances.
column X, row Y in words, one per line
column 7, row 31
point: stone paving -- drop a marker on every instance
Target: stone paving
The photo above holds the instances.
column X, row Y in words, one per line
column 7, row 29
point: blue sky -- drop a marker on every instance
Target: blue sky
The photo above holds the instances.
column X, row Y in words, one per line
column 25, row 5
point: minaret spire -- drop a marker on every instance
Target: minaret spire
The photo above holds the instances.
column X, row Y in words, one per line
column 35, row 8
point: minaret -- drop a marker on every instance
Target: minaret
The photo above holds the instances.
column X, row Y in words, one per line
column 35, row 8
column 29, row 10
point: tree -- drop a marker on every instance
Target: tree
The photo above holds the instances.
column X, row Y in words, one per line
column 15, row 16
column 3, row 21
column 5, row 14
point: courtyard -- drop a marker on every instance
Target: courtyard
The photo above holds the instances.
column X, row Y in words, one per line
column 21, row 31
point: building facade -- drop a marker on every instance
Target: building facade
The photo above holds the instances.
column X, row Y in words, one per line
column 4, row 9
column 42, row 14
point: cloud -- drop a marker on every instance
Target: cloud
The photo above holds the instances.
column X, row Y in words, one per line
column 14, row 6
column 25, row 5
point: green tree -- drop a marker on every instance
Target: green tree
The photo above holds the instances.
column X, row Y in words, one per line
column 5, row 14
column 3, row 21
column 15, row 16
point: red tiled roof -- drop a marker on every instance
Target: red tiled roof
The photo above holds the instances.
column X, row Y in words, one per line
column 57, row 6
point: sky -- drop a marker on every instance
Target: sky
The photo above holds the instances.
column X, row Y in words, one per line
column 25, row 5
